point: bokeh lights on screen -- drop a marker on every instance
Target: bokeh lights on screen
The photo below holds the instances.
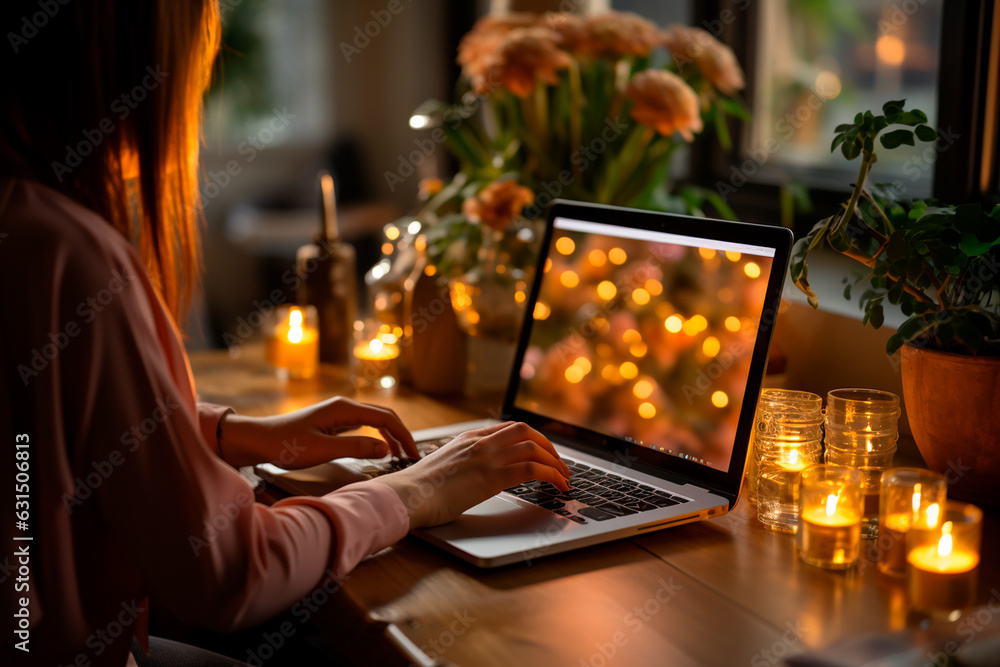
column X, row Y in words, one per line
column 644, row 341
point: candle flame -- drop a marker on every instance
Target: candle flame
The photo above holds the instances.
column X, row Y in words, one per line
column 295, row 318
column 944, row 544
column 932, row 515
column 831, row 505
column 375, row 345
column 793, row 457
column 294, row 334
column 916, row 497
column 869, row 445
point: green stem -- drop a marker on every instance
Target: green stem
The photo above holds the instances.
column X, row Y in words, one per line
column 867, row 160
column 626, row 162
column 541, row 112
column 576, row 102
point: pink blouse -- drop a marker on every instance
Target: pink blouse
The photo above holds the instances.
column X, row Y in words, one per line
column 128, row 498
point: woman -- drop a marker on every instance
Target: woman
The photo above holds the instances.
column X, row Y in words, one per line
column 128, row 487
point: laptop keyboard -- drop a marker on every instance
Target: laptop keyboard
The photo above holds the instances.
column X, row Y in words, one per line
column 595, row 494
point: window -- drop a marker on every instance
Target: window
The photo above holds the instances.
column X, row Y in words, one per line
column 818, row 63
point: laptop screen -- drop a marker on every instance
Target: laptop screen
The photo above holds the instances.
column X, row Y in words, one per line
column 645, row 336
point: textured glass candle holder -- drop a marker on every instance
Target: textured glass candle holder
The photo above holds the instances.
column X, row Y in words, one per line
column 785, row 419
column 942, row 562
column 778, row 497
column 830, row 520
column 861, row 431
column 910, row 498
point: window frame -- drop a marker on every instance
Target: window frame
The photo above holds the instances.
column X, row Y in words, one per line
column 968, row 100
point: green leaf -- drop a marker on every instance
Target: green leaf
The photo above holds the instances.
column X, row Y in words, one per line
column 912, row 117
column 851, row 149
column 734, row 108
column 893, row 106
column 897, row 138
column 844, row 127
column 973, row 246
column 925, row 133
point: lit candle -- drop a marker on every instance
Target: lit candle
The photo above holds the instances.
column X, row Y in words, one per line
column 910, row 498
column 376, row 360
column 942, row 562
column 778, row 487
column 293, row 346
column 793, row 461
column 830, row 523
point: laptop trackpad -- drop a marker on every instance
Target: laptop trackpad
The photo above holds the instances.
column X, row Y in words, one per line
column 497, row 517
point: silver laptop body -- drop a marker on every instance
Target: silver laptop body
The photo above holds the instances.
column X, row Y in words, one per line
column 668, row 320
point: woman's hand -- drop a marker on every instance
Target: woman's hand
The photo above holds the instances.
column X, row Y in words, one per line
column 473, row 467
column 309, row 436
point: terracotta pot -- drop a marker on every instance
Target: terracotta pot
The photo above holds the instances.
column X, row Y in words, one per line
column 953, row 405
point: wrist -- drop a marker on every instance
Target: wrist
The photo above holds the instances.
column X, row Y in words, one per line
column 236, row 440
column 409, row 494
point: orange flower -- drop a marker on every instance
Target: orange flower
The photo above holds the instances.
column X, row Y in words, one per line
column 527, row 55
column 713, row 59
column 617, row 34
column 478, row 50
column 661, row 100
column 571, row 30
column 498, row 204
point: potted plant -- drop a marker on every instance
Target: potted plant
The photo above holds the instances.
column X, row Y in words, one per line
column 582, row 107
column 940, row 264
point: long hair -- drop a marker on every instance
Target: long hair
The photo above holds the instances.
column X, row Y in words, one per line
column 102, row 99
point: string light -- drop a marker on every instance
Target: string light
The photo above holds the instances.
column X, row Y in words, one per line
column 565, row 245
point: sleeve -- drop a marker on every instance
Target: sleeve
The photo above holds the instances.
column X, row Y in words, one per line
column 187, row 520
column 209, row 416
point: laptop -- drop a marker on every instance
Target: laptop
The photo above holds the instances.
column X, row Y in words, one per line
column 641, row 358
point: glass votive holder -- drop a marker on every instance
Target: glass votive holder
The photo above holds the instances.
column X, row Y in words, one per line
column 293, row 341
column 871, row 465
column 942, row 562
column 830, row 520
column 778, row 496
column 375, row 356
column 783, row 417
column 861, row 432
column 910, row 498
column 862, row 420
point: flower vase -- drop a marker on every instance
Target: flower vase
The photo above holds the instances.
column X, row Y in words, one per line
column 435, row 349
column 489, row 302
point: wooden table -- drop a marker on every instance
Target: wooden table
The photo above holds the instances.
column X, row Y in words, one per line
column 719, row 592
